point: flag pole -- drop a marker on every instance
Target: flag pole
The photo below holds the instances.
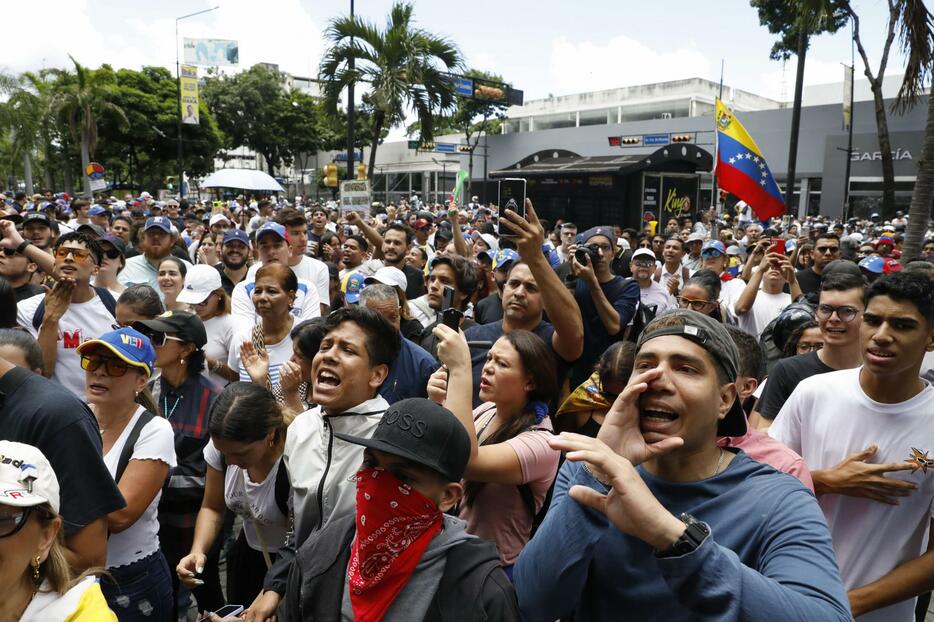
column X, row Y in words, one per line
column 715, row 194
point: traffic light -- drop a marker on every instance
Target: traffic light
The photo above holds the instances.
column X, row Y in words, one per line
column 330, row 175
column 464, row 148
column 361, row 171
column 682, row 138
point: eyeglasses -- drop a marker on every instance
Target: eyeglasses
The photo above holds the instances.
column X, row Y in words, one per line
column 693, row 305
column 113, row 367
column 606, row 248
column 804, row 347
column 11, row 523
column 158, row 339
column 80, row 254
column 845, row 313
column 643, row 263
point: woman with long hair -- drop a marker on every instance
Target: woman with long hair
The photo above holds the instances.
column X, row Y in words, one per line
column 511, row 465
column 265, row 347
column 113, row 260
column 171, row 279
column 138, row 302
column 584, row 409
column 295, row 374
column 34, row 576
column 184, row 396
column 138, row 451
column 205, row 294
column 246, row 475
column 208, row 248
column 701, row 293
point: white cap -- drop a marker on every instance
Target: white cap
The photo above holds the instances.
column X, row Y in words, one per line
column 216, row 218
column 200, row 281
column 623, row 243
column 489, row 240
column 388, row 276
column 26, row 477
column 643, row 252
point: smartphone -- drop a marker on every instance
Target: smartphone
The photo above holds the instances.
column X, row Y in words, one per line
column 228, row 610
column 779, row 246
column 511, row 196
column 447, row 298
column 450, row 316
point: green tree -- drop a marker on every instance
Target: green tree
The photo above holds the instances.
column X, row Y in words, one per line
column 249, row 108
column 403, row 66
column 80, row 99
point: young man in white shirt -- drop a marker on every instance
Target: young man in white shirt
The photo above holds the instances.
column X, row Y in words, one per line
column 272, row 246
column 754, row 309
column 866, row 435
column 346, row 375
column 672, row 274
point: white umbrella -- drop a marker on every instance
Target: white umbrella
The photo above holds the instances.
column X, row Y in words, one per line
column 241, row 178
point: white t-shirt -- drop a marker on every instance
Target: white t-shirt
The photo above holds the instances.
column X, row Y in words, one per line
column 220, row 331
column 765, row 309
column 827, row 418
column 730, row 291
column 156, row 442
column 264, row 524
column 81, row 322
column 657, row 294
column 307, row 304
column 279, row 353
column 308, row 269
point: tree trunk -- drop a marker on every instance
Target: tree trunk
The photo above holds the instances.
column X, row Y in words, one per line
column 68, row 175
column 27, row 172
column 885, row 147
column 378, row 118
column 85, row 160
column 920, row 210
column 49, row 182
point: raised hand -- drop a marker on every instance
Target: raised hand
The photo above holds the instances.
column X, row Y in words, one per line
column 528, row 232
column 438, row 385
column 255, row 362
column 58, row 300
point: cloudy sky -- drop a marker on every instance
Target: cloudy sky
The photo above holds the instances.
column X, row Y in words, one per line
column 542, row 47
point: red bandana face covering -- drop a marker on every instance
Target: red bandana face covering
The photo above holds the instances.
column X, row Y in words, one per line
column 395, row 523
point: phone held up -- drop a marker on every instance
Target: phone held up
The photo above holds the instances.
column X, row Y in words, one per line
column 450, row 316
column 511, row 197
column 228, row 611
column 779, row 246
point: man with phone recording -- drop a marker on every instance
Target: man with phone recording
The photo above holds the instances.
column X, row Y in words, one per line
column 451, row 284
column 607, row 302
column 754, row 309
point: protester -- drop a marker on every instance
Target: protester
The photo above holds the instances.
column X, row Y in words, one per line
column 21, row 349
column 651, row 293
column 18, row 270
column 247, row 475
column 826, row 249
column 701, row 293
column 156, row 244
column 137, row 302
column 171, row 280
column 459, row 274
column 805, row 338
column 295, row 374
column 113, row 260
column 235, row 258
column 672, row 274
column 490, row 308
column 762, row 300
column 306, row 268
column 880, row 524
column 651, row 519
column 585, row 408
column 35, row 578
column 138, row 452
column 692, row 257
column 204, row 293
column 404, row 488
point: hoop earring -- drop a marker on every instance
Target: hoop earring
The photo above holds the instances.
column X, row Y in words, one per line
column 35, row 570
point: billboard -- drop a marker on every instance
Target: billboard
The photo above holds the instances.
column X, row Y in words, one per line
column 211, row 52
column 188, row 80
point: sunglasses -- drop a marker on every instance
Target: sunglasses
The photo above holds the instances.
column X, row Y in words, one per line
column 111, row 253
column 11, row 523
column 158, row 339
column 113, row 367
column 80, row 254
column 9, row 252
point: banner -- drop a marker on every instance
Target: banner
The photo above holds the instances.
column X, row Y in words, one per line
column 847, row 96
column 355, row 197
column 188, row 78
column 211, row 52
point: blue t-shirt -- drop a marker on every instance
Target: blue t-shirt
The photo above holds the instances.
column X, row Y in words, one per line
column 409, row 373
column 623, row 294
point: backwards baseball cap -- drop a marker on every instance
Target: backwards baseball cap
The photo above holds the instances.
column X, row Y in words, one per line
column 183, row 324
column 26, row 477
column 158, row 222
column 713, row 337
column 352, row 285
column 236, row 235
column 424, row 432
column 129, row 345
column 200, row 282
column 713, row 248
column 272, row 227
column 388, row 275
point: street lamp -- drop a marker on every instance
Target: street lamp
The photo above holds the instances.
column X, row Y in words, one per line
column 178, row 99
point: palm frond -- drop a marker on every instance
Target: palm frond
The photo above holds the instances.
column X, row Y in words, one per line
column 916, row 38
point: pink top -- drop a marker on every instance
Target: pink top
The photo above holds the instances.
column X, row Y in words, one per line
column 763, row 448
column 498, row 512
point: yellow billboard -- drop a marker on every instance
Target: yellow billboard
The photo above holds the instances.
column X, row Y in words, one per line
column 189, row 87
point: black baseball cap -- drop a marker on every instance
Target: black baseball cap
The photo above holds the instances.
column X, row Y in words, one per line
column 115, row 241
column 40, row 217
column 183, row 324
column 712, row 336
column 424, row 432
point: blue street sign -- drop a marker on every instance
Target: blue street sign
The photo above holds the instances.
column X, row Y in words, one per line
column 342, row 156
column 463, row 87
column 655, row 139
column 445, row 148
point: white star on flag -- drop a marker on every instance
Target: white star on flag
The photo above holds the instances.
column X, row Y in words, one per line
column 755, row 159
column 762, row 165
column 732, row 160
column 762, row 182
column 748, row 156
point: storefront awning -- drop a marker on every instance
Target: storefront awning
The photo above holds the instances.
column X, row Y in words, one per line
column 551, row 163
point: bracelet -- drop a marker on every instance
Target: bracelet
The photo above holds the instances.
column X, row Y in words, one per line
column 590, row 472
column 23, row 246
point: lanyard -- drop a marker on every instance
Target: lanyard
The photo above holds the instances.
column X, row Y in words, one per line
column 165, row 406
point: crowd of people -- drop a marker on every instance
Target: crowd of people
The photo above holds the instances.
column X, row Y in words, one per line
column 267, row 410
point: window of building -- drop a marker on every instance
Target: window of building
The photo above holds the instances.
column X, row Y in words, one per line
column 656, row 110
column 555, row 121
column 604, row 116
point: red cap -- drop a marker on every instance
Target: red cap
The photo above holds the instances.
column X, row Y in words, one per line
column 891, row 265
column 421, row 223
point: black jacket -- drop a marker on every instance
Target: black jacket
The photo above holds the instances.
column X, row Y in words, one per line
column 474, row 587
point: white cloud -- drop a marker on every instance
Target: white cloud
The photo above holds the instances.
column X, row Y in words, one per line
column 621, row 61
column 779, row 83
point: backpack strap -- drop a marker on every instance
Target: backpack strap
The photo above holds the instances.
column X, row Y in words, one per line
column 127, row 452
column 107, row 299
column 282, row 488
column 11, row 381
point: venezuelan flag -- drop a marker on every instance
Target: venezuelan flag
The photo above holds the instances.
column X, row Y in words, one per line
column 741, row 169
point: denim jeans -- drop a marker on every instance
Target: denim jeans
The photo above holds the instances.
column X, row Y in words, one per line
column 141, row 591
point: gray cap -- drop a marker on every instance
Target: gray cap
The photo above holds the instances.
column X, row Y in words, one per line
column 695, row 237
column 712, row 336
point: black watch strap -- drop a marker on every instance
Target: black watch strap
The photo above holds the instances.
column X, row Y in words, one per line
column 22, row 246
column 693, row 536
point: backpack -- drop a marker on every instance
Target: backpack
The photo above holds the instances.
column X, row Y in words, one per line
column 103, row 293
column 528, row 498
column 282, row 486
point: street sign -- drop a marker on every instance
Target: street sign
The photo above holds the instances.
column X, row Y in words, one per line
column 655, row 139
column 446, row 147
column 463, row 87
column 355, row 197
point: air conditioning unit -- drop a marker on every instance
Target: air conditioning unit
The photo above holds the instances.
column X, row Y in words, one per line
column 666, row 115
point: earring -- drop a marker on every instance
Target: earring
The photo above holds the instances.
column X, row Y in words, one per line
column 35, row 569
column 182, row 361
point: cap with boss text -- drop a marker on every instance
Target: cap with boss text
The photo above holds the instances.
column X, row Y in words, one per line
column 424, row 432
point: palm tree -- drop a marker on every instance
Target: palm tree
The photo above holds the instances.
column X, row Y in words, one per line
column 404, row 66
column 78, row 100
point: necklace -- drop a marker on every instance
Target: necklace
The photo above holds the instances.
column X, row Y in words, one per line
column 719, row 462
column 169, row 412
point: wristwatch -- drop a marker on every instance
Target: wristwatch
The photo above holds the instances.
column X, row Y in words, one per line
column 23, row 246
column 693, row 537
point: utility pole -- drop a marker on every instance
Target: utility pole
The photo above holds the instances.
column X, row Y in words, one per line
column 796, row 114
column 350, row 128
